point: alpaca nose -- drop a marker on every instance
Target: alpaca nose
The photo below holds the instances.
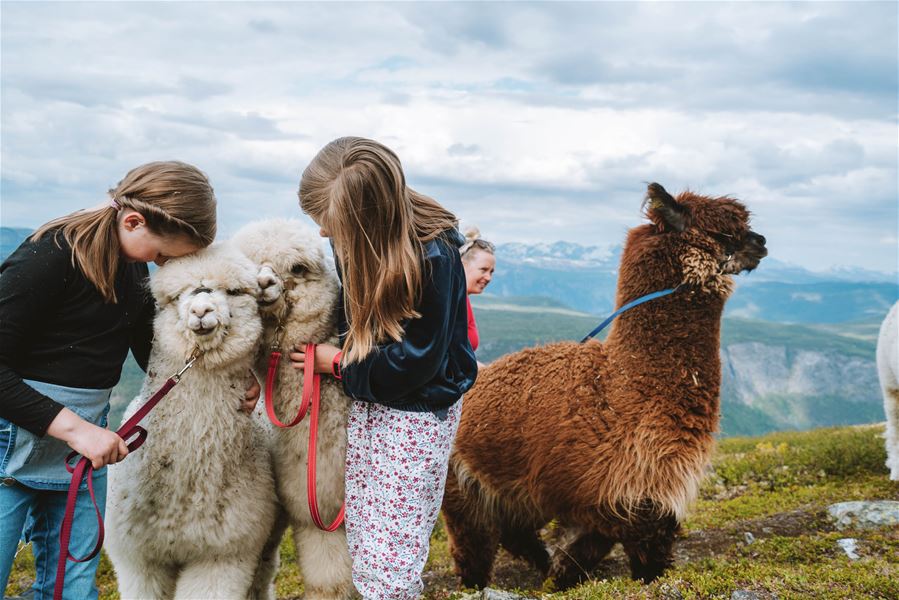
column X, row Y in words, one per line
column 267, row 277
column 266, row 280
column 201, row 308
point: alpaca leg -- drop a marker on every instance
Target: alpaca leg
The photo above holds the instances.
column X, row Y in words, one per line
column 472, row 541
column 262, row 587
column 325, row 562
column 138, row 580
column 576, row 555
column 648, row 547
column 891, row 410
column 525, row 543
column 224, row 578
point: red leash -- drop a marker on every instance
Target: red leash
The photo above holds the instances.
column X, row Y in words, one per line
column 311, row 394
column 130, row 429
column 273, row 361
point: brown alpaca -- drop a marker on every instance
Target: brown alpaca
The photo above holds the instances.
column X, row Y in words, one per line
column 609, row 439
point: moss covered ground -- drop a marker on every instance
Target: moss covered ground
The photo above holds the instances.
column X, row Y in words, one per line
column 775, row 487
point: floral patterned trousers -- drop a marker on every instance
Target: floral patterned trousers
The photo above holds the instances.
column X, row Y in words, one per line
column 395, row 476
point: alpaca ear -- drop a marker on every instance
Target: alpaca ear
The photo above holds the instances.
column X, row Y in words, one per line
column 664, row 209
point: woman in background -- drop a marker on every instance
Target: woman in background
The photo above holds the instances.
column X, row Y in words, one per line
column 479, row 262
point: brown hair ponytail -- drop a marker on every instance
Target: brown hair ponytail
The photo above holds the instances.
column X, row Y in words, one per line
column 175, row 199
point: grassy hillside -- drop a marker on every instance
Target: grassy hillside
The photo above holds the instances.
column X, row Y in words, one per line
column 775, row 487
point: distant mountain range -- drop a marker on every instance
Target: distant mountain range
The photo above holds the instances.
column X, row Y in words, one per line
column 585, row 277
column 572, row 256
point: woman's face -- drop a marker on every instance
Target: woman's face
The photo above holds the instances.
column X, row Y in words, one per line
column 479, row 271
column 139, row 244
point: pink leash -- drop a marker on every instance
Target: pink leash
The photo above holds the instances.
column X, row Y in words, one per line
column 83, row 469
column 311, row 395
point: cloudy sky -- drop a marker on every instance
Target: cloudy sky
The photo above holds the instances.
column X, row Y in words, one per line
column 535, row 121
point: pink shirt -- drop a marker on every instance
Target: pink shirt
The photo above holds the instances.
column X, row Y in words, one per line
column 472, row 327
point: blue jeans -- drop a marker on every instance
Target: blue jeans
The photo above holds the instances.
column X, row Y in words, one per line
column 36, row 516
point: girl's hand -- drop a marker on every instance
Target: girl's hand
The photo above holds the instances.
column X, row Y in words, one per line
column 251, row 397
column 100, row 446
column 324, row 356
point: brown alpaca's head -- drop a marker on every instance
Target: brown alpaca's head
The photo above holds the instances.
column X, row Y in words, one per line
column 710, row 237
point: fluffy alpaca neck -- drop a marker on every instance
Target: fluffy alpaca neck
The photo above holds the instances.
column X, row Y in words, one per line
column 663, row 356
column 674, row 341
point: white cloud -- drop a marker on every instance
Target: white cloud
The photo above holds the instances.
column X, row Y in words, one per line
column 537, row 122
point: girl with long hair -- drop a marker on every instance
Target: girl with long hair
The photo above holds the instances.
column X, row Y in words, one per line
column 73, row 301
column 405, row 357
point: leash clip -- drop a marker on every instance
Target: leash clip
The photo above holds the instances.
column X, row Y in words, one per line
column 188, row 364
column 278, row 337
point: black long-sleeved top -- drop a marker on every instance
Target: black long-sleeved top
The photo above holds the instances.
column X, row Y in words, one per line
column 55, row 327
column 433, row 364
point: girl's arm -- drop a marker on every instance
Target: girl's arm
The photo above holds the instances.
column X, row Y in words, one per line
column 141, row 339
column 101, row 446
column 32, row 282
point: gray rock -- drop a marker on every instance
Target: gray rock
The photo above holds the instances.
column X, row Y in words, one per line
column 849, row 546
column 865, row 515
column 669, row 592
column 750, row 595
column 492, row 594
column 748, row 537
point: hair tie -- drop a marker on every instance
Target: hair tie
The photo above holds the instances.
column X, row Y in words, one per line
column 115, row 204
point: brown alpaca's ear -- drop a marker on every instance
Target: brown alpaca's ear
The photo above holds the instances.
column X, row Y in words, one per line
column 664, row 210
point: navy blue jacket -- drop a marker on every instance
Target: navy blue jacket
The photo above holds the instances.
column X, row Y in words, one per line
column 433, row 365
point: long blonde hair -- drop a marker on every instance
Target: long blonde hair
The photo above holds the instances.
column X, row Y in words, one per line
column 355, row 189
column 175, row 198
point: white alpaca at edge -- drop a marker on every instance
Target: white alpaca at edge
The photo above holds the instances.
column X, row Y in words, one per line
column 190, row 510
column 888, row 372
column 299, row 290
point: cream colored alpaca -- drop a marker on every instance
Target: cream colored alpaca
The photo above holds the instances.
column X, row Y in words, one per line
column 190, row 510
column 298, row 291
column 888, row 372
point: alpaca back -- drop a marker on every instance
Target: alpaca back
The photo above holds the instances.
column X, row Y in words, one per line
column 888, row 373
column 888, row 350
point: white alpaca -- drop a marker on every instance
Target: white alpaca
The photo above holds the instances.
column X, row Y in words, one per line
column 298, row 293
column 191, row 509
column 888, row 372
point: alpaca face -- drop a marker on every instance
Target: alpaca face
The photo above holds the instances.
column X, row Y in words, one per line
column 293, row 273
column 204, row 311
column 711, row 236
column 207, row 301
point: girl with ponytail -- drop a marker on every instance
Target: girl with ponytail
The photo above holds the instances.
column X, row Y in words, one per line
column 405, row 357
column 73, row 301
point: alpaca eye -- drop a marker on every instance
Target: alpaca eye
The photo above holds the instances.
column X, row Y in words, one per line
column 235, row 292
column 298, row 269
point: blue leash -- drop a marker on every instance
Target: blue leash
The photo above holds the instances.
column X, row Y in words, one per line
column 628, row 306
